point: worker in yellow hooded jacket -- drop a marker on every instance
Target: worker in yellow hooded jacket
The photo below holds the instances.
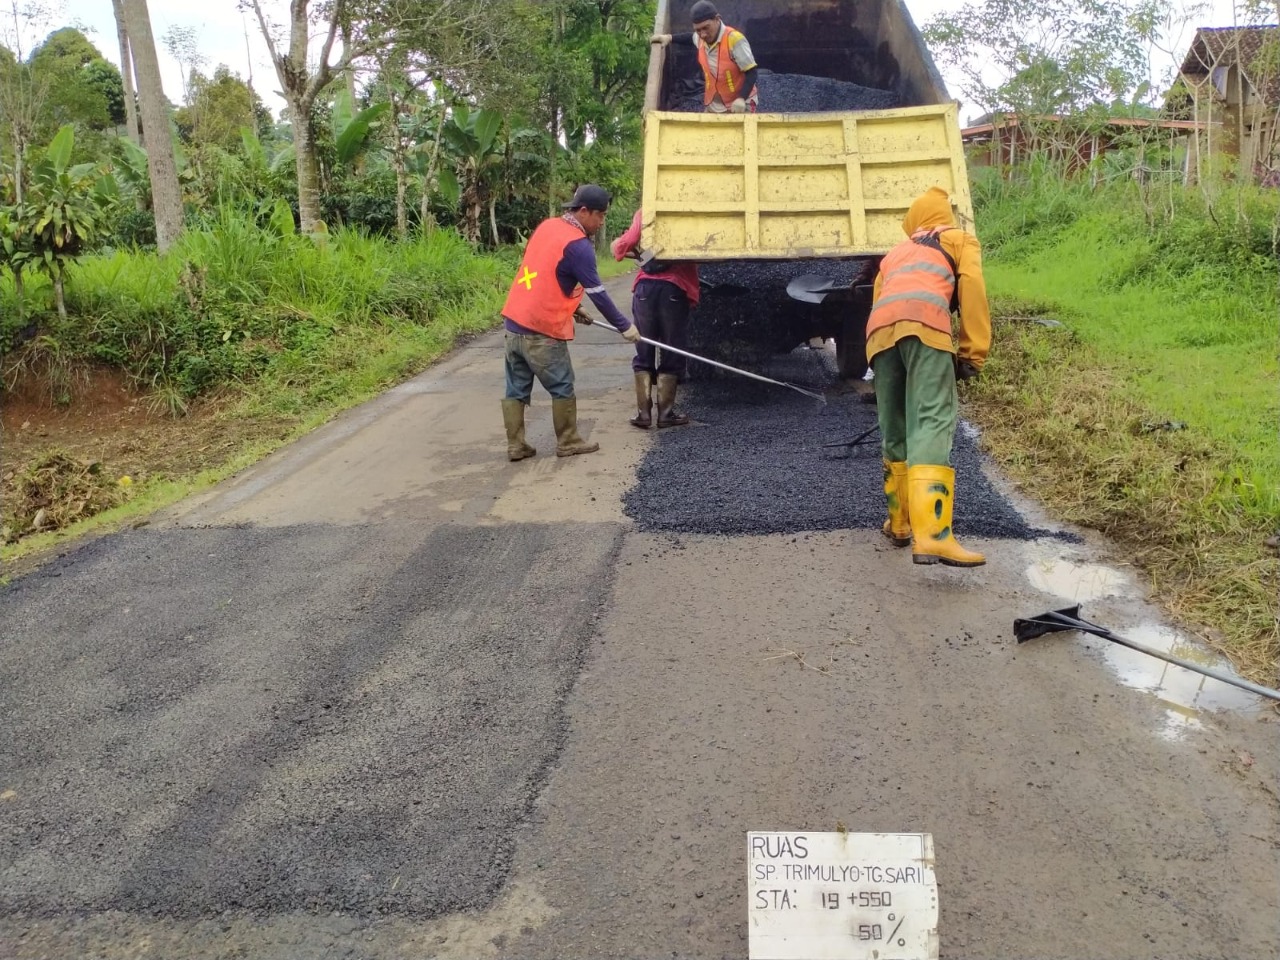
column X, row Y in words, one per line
column 936, row 271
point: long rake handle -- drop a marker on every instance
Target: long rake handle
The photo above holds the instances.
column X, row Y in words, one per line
column 723, row 366
column 1087, row 627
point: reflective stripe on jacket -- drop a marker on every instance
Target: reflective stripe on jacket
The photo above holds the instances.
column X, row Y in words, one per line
column 729, row 76
column 535, row 300
column 919, row 285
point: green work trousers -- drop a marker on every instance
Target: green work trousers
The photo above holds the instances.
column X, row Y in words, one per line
column 916, row 401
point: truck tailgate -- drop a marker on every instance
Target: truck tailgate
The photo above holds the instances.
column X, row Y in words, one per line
column 786, row 186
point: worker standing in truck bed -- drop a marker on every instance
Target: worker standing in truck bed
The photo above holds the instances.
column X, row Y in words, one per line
column 728, row 65
column 909, row 344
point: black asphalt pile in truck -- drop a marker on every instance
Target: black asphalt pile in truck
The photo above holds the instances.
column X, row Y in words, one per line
column 797, row 93
column 738, row 294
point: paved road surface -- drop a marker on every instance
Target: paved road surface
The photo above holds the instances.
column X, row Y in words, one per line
column 388, row 696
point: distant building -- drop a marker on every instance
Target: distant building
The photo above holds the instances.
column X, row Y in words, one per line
column 1230, row 77
column 1008, row 140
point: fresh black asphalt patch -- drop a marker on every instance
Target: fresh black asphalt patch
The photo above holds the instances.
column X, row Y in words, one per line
column 267, row 720
column 754, row 462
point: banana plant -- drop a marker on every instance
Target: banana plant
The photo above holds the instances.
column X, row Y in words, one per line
column 352, row 128
column 65, row 210
column 471, row 140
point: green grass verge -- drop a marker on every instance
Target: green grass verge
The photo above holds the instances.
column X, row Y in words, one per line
column 1152, row 417
column 278, row 327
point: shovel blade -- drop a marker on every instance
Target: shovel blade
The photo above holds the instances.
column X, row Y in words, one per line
column 1049, row 622
column 809, row 288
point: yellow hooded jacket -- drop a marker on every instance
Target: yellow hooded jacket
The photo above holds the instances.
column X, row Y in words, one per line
column 933, row 209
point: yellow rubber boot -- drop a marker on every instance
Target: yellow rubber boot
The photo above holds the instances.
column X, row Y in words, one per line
column 513, row 419
column 931, row 496
column 564, row 417
column 898, row 527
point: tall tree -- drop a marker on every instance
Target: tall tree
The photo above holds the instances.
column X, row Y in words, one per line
column 166, row 195
column 1042, row 56
column 126, row 74
column 301, row 85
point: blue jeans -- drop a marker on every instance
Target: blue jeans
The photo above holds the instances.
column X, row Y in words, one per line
column 532, row 355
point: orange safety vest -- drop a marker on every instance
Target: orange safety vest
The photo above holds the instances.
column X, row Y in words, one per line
column 730, row 75
column 919, row 284
column 535, row 299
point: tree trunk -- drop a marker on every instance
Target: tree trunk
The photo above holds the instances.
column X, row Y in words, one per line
column 349, row 75
column 166, row 195
column 304, row 148
column 493, row 220
column 19, row 170
column 59, row 297
column 126, row 74
column 402, row 188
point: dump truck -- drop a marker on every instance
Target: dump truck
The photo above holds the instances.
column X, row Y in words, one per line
column 789, row 210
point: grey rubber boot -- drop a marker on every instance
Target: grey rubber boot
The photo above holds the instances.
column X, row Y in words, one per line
column 513, row 419
column 644, row 401
column 564, row 416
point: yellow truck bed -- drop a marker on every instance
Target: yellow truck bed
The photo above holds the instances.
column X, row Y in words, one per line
column 794, row 185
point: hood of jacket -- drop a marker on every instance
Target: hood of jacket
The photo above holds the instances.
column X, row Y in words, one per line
column 929, row 210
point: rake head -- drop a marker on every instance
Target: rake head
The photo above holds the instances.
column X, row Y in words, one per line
column 1049, row 622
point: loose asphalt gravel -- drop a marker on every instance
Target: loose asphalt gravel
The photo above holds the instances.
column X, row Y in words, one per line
column 754, row 462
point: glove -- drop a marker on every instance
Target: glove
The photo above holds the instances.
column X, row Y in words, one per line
column 580, row 317
column 738, row 106
column 631, row 334
column 965, row 369
column 660, row 38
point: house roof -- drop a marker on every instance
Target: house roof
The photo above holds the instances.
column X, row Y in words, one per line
column 982, row 130
column 1227, row 46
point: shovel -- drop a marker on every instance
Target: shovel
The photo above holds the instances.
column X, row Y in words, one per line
column 1068, row 618
column 809, row 288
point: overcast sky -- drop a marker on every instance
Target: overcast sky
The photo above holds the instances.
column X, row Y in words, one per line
column 222, row 29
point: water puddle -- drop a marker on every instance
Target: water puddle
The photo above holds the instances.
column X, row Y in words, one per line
column 1078, row 582
column 1183, row 693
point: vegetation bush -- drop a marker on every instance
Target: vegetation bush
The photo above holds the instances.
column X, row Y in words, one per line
column 239, row 301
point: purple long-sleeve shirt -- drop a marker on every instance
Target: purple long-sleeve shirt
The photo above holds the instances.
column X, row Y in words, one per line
column 578, row 266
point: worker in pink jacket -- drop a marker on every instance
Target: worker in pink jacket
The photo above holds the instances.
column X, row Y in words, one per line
column 662, row 296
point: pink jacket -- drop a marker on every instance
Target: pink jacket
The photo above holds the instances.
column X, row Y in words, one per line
column 683, row 274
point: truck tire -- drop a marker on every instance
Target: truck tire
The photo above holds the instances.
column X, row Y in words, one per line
column 851, row 346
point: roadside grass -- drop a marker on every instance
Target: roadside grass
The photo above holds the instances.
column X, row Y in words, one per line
column 1152, row 417
column 252, row 325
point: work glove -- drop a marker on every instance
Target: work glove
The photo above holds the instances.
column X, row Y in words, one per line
column 631, row 334
column 661, row 38
column 965, row 370
column 580, row 317
column 738, row 106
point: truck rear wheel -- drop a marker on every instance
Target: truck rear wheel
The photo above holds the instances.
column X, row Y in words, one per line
column 851, row 346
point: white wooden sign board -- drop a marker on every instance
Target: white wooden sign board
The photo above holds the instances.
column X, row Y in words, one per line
column 842, row 896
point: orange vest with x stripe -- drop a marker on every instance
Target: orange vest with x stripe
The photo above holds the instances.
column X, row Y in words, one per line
column 535, row 300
